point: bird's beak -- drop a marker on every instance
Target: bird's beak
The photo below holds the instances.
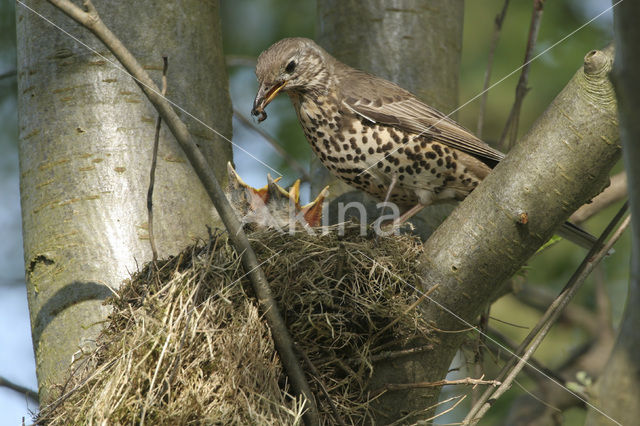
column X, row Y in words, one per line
column 265, row 95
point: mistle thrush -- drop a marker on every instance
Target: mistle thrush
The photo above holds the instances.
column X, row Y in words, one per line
column 370, row 132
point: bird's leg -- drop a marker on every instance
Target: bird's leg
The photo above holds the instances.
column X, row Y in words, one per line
column 394, row 180
column 408, row 214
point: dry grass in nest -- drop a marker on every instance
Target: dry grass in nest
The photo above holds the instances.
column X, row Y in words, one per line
column 188, row 345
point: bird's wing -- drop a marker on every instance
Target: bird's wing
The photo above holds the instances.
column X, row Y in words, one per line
column 381, row 101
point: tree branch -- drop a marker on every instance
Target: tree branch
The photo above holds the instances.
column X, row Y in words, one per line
column 540, row 298
column 510, row 132
column 615, row 192
column 468, row 381
column 29, row 393
column 487, row 74
column 587, row 361
column 7, row 74
column 561, row 163
column 282, row 340
column 538, row 333
column 152, row 173
column 532, row 368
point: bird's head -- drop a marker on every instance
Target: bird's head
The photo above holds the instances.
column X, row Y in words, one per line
column 290, row 65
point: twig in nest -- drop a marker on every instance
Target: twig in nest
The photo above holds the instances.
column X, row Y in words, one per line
column 387, row 355
column 510, row 131
column 468, row 381
column 487, row 74
column 459, row 398
column 283, row 342
column 534, row 338
column 409, row 309
column 154, row 162
column 317, row 376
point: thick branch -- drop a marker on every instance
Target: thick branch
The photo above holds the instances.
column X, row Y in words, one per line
column 282, row 340
column 562, row 162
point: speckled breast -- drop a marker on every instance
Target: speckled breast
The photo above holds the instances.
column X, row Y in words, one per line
column 367, row 155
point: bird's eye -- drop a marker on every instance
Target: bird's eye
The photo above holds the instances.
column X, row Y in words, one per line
column 291, row 66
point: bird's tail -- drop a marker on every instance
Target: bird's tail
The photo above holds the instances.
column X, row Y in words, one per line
column 576, row 235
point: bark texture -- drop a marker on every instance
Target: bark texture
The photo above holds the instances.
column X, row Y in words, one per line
column 86, row 133
column 618, row 387
column 562, row 162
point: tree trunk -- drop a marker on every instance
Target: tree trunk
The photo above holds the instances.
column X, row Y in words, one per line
column 618, row 389
column 86, row 133
column 394, row 40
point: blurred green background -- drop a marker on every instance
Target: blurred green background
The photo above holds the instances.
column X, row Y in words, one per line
column 250, row 26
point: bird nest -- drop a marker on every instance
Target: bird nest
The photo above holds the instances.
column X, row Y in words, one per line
column 185, row 342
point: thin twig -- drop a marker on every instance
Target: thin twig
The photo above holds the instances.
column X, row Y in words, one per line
column 532, row 368
column 409, row 309
column 448, row 410
column 468, row 381
column 603, row 302
column 510, row 132
column 510, row 324
column 388, row 355
column 240, row 61
column 154, row 162
column 403, row 420
column 316, row 375
column 535, row 337
column 479, row 350
column 615, row 192
column 282, row 340
column 540, row 298
column 29, row 393
column 7, row 74
column 487, row 74
column 292, row 162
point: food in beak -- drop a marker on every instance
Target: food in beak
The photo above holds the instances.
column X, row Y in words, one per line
column 260, row 103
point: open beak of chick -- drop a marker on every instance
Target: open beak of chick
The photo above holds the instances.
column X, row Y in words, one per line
column 266, row 94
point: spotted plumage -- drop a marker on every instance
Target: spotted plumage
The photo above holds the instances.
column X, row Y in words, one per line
column 365, row 130
column 370, row 132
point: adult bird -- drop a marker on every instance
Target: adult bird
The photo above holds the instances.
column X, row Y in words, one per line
column 373, row 134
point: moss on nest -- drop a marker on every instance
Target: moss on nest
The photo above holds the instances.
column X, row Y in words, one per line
column 187, row 344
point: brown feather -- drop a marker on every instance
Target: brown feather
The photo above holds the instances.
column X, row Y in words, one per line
column 387, row 103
